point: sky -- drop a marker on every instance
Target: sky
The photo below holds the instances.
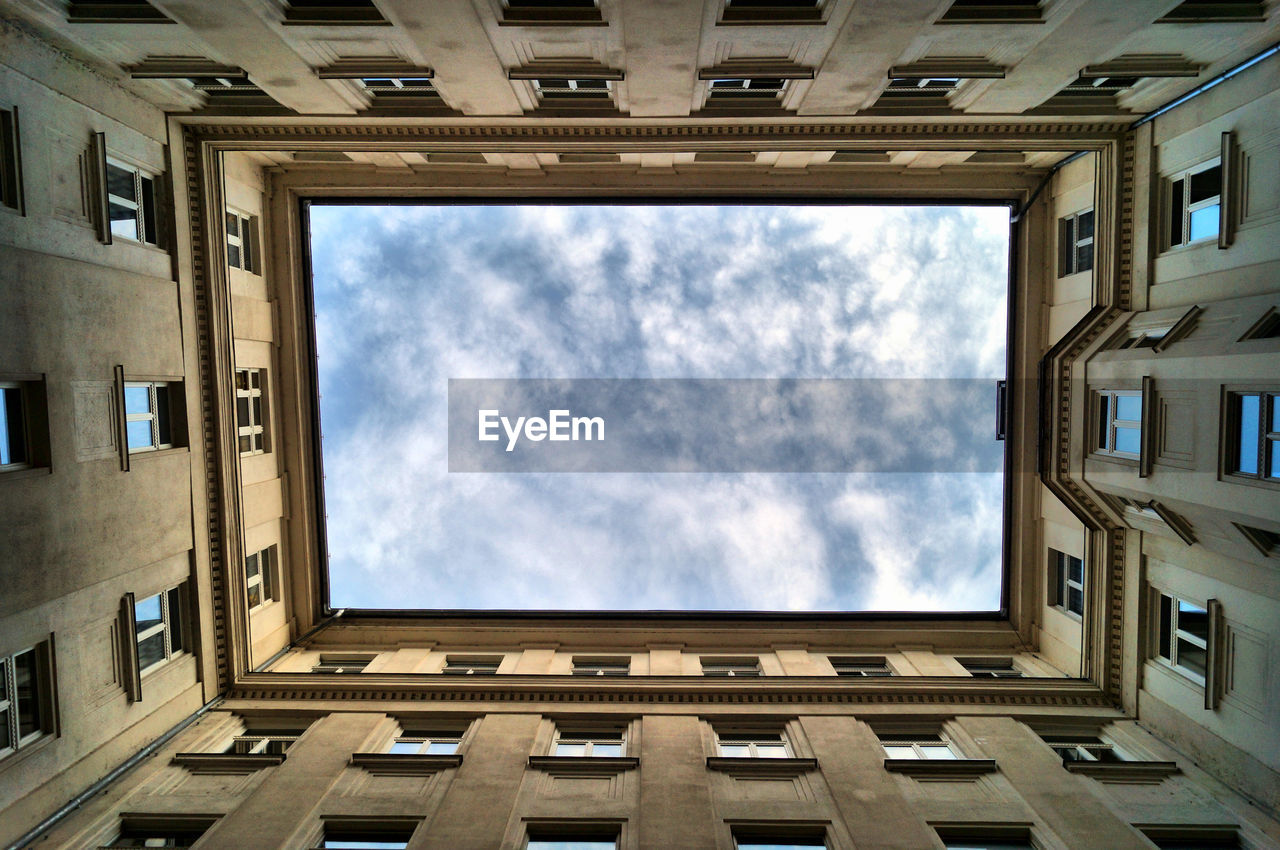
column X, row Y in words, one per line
column 411, row 298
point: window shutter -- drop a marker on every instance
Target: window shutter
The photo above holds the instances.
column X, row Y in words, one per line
column 132, row 675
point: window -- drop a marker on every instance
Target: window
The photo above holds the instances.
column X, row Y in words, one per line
column 259, row 576
column 114, row 12
column 1119, row 423
column 551, row 841
column 333, row 13
column 26, row 697
column 1268, row 327
column 10, row 160
column 1082, row 748
column 739, row 667
column 1182, row 636
column 426, row 742
column 985, row 844
column 1255, row 431
column 991, row 668
column 383, row 88
column 602, row 667
column 251, row 413
column 342, row 663
column 861, row 666
column 160, row 627
column 597, row 743
column 569, row 89
column 265, row 741
column 357, row 838
column 1075, row 243
column 242, row 242
column 1194, row 204
column 13, row 427
column 916, row 745
column 755, row 745
column 739, row 88
column 1066, row 582
column 1266, row 542
column 148, row 413
column 160, row 831
column 455, row 666
column 992, row 12
column 779, row 841
column 131, row 202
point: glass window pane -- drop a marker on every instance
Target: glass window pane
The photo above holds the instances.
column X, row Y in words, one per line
column 26, row 685
column 147, row 612
column 1250, row 408
column 1177, row 208
column 140, row 434
column 1129, row 407
column 1075, row 600
column 162, row 415
column 1273, row 447
column 1128, row 440
column 1191, row 656
column 177, row 628
column 13, row 448
column 149, row 233
column 137, row 399
column 151, row 650
column 120, row 183
column 251, row 565
column 1084, row 225
column 735, row 750
column 1193, row 620
column 256, row 405
column 572, row 844
column 405, row 747
column 1084, row 258
column 4, row 681
column 246, row 444
column 255, row 595
column 5, row 743
column 1166, row 626
column 442, row 748
column 233, row 224
column 771, row 751
column 1274, row 401
column 1205, row 185
column 607, row 750
column 124, row 221
column 563, row 749
column 1204, row 223
column 899, row 752
column 233, row 256
column 937, row 752
column 1075, row 569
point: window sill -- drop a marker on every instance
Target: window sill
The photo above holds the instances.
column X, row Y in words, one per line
column 941, row 768
column 405, row 764
column 22, row 753
column 583, row 765
column 172, row 450
column 24, row 472
column 1124, row 771
column 749, row 768
column 230, row 763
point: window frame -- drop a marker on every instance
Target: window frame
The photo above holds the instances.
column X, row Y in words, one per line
column 1175, row 634
column 730, row 668
column 44, row 689
column 1178, row 203
column 425, row 738
column 471, row 666
column 244, row 240
column 1105, row 410
column 342, row 665
column 602, row 667
column 861, row 666
column 917, row 742
column 753, row 740
column 152, row 415
column 1061, row 583
column 1003, row 667
column 1070, row 242
column 256, row 417
column 265, row 579
column 146, row 230
column 1082, row 747
column 7, row 420
column 589, row 737
column 1267, row 450
column 176, row 634
column 11, row 188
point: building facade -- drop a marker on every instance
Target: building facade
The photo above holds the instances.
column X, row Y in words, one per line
column 172, row 670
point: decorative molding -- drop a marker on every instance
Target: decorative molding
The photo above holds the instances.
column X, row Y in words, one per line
column 941, row 768
column 227, row 762
column 1143, row 65
column 405, row 764
column 1128, row 772
column 576, row 69
column 353, row 68
column 571, row 766
column 181, row 67
column 761, row 768
column 964, row 67
column 783, row 69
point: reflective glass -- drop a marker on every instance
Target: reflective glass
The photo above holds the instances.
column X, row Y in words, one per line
column 137, row 399
column 124, row 221
column 255, row 595
column 151, row 650
column 147, row 612
column 1075, row 600
column 1204, row 223
column 937, row 752
column 1250, row 406
column 1084, row 225
column 607, row 750
column 1191, row 656
column 900, row 752
column 1177, row 207
column 572, row 844
column 735, row 750
column 405, row 747
column 140, row 434
column 4, row 682
column 1205, row 185
column 1128, row 440
column 1193, row 620
column 771, row 751
column 1075, row 569
column 233, row 225
column 162, row 415
column 1273, row 446
column 26, row 685
column 120, row 183
column 176, row 628
column 563, row 749
column 1129, row 407
column 12, row 445
column 251, row 565
column 442, row 748
column 774, row 845
column 233, row 256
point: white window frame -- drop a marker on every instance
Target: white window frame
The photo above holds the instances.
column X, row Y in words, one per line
column 266, row 743
column 251, row 385
column 7, row 427
column 137, row 204
column 589, row 738
column 731, row 667
column 168, row 620
column 1062, row 584
column 1266, row 444
column 1178, row 202
column 1175, row 634
column 11, row 702
column 244, row 240
column 868, row 666
column 264, row 579
column 918, row 745
column 1105, row 443
column 425, row 740
column 1070, row 242
column 760, row 744
column 153, row 414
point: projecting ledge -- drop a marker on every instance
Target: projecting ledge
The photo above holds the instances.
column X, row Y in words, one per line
column 941, row 768
column 583, row 765
column 1124, row 771
column 750, row 768
column 227, row 762
column 405, row 764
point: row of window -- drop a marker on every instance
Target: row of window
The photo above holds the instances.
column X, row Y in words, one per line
column 850, row 666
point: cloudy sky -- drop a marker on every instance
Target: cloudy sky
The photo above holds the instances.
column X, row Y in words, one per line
column 409, row 297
